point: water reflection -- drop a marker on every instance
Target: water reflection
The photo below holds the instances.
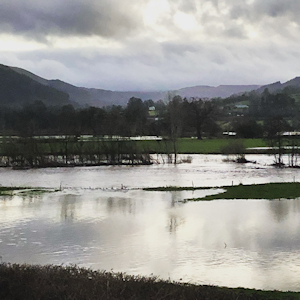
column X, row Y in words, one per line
column 175, row 219
column 249, row 243
column 68, row 207
column 279, row 210
column 118, row 204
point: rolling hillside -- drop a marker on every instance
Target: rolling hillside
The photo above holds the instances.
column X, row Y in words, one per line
column 18, row 90
column 101, row 97
column 19, row 86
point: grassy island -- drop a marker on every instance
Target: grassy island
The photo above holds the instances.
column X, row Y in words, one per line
column 70, row 282
column 270, row 191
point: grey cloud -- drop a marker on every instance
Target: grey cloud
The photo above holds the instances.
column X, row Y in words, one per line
column 275, row 8
column 169, row 66
column 235, row 32
column 38, row 19
column 187, row 6
column 257, row 11
column 179, row 48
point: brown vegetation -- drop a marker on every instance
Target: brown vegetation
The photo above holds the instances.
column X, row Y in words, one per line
column 58, row 282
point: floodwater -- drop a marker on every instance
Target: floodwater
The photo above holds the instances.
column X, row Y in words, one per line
column 102, row 220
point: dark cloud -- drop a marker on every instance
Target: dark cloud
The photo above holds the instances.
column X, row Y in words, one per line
column 39, row 19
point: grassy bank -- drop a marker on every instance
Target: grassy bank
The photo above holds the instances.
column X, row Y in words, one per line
column 281, row 190
column 58, row 282
column 174, row 188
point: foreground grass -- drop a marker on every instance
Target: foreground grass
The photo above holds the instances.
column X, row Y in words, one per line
column 270, row 191
column 58, row 282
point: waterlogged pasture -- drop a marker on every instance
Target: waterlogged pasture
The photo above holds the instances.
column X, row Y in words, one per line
column 101, row 220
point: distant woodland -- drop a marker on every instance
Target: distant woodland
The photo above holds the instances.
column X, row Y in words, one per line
column 249, row 115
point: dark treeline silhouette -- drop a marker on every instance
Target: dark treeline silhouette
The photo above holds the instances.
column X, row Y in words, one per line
column 179, row 117
column 173, row 118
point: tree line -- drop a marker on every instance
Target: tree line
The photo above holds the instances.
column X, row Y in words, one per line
column 173, row 118
column 178, row 117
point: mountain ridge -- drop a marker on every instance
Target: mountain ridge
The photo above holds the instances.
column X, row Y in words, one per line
column 19, row 90
column 101, row 97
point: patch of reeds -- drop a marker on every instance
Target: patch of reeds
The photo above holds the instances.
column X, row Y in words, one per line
column 71, row 282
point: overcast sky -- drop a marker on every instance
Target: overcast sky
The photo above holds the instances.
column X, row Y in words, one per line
column 152, row 44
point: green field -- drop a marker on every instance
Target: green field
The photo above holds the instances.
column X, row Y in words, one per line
column 98, row 145
column 194, row 146
column 30, row 282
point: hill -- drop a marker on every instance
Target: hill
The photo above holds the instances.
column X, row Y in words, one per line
column 221, row 91
column 18, row 90
column 100, row 97
column 278, row 86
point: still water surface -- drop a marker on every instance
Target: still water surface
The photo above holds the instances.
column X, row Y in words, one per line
column 94, row 223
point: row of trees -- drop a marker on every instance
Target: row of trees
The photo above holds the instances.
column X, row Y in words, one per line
column 176, row 118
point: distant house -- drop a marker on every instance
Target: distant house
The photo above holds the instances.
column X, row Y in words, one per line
column 241, row 109
column 291, row 133
column 229, row 133
column 241, row 106
column 152, row 113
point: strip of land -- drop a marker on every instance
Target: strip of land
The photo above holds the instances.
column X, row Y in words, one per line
column 12, row 190
column 269, row 191
column 71, row 282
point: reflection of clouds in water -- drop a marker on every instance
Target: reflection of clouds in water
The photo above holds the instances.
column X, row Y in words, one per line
column 131, row 232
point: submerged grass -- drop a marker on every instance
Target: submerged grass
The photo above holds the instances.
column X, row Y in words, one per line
column 4, row 190
column 71, row 282
column 270, row 191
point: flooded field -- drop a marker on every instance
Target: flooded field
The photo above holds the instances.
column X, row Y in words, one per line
column 100, row 219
